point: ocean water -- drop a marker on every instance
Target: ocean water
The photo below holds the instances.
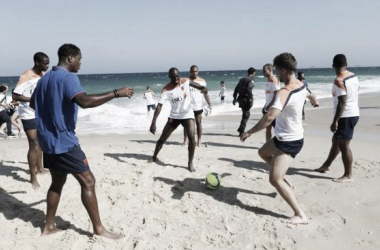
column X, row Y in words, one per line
column 130, row 115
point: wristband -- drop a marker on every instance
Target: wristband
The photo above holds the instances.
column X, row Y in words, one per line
column 116, row 93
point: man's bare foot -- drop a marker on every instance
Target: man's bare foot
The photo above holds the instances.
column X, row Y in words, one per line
column 289, row 183
column 183, row 144
column 199, row 144
column 42, row 171
column 344, row 179
column 35, row 184
column 299, row 220
column 191, row 167
column 48, row 231
column 153, row 159
column 110, row 235
column 322, row 169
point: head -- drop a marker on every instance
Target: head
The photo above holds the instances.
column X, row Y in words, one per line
column 70, row 56
column 174, row 76
column 3, row 88
column 148, row 88
column 301, row 76
column 222, row 83
column 41, row 62
column 251, row 72
column 285, row 65
column 339, row 62
column 193, row 71
column 268, row 70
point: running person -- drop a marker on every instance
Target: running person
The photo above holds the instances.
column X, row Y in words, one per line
column 345, row 91
column 22, row 93
column 196, row 102
column 279, row 151
column 271, row 88
column 177, row 92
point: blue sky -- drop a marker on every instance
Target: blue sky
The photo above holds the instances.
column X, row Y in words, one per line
column 149, row 36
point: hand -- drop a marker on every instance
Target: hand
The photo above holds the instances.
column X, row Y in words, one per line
column 244, row 136
column 125, row 92
column 153, row 128
column 315, row 105
column 334, row 127
column 234, row 101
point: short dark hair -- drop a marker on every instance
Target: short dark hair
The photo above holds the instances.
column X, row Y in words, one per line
column 270, row 66
column 193, row 66
column 340, row 61
column 251, row 70
column 300, row 75
column 67, row 50
column 2, row 88
column 39, row 57
column 285, row 61
column 172, row 69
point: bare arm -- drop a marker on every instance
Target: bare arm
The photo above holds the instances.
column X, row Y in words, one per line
column 20, row 98
column 90, row 101
column 156, row 114
column 339, row 111
column 313, row 99
column 200, row 87
column 272, row 101
column 207, row 97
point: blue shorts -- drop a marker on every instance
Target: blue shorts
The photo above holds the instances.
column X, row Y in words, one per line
column 346, row 127
column 72, row 162
column 29, row 124
column 152, row 106
column 289, row 147
column 174, row 123
column 198, row 112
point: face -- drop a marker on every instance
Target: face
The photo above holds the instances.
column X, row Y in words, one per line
column 44, row 64
column 174, row 77
column 75, row 62
column 266, row 71
column 194, row 73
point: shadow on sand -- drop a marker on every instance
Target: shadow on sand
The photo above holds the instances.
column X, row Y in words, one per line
column 227, row 195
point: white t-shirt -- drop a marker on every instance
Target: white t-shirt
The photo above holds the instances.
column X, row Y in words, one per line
column 3, row 100
column 289, row 122
column 149, row 98
column 222, row 91
column 196, row 95
column 270, row 88
column 26, row 89
column 179, row 99
column 350, row 88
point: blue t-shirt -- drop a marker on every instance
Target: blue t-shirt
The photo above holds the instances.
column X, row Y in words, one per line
column 56, row 114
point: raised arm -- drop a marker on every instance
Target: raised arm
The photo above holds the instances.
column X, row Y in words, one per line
column 90, row 101
column 20, row 98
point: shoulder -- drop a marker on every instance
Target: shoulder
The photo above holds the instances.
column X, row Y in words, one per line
column 338, row 82
column 27, row 76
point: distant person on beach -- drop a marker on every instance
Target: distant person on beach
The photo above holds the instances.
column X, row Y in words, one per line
column 196, row 103
column 56, row 99
column 271, row 89
column 22, row 93
column 279, row 151
column 4, row 107
column 301, row 77
column 177, row 92
column 148, row 96
column 222, row 92
column 345, row 91
column 13, row 114
column 243, row 95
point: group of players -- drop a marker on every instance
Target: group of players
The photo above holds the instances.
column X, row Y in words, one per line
column 55, row 99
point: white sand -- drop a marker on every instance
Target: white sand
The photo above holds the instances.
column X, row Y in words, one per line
column 163, row 206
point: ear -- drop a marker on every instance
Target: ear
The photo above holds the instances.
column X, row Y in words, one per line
column 70, row 58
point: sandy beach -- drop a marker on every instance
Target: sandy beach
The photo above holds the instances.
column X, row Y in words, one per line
column 164, row 206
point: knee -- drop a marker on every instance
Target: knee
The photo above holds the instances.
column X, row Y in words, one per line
column 274, row 180
column 262, row 153
column 89, row 181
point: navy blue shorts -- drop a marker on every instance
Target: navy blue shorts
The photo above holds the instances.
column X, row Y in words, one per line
column 198, row 112
column 153, row 107
column 264, row 113
column 174, row 123
column 289, row 147
column 346, row 127
column 29, row 124
column 72, row 162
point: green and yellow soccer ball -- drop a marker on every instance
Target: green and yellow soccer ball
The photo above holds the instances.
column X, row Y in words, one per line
column 213, row 181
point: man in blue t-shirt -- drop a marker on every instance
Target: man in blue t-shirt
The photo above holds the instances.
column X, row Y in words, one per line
column 55, row 100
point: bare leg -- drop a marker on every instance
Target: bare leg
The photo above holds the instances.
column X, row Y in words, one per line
column 90, row 202
column 280, row 164
column 53, row 197
column 189, row 128
column 168, row 130
column 198, row 122
column 33, row 156
column 334, row 151
column 184, row 137
column 15, row 123
column 344, row 146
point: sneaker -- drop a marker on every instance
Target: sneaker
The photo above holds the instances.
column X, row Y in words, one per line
column 12, row 136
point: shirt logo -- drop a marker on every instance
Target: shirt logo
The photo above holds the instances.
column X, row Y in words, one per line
column 176, row 100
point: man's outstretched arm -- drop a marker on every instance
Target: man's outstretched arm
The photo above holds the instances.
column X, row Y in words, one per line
column 156, row 114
